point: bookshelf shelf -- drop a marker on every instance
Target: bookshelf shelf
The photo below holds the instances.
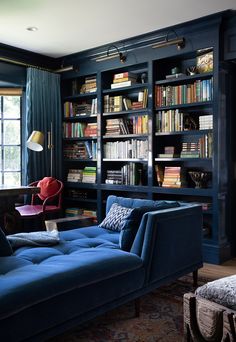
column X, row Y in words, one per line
column 133, row 160
column 134, row 87
column 68, row 160
column 81, row 185
column 190, row 132
column 125, row 136
column 186, row 105
column 128, row 188
column 79, row 118
column 183, row 191
column 85, row 200
column 185, row 79
column 127, row 112
column 183, row 159
column 79, row 139
column 80, row 96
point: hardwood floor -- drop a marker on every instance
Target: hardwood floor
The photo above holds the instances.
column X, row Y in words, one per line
column 218, row 271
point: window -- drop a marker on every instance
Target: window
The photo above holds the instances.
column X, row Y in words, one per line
column 10, row 137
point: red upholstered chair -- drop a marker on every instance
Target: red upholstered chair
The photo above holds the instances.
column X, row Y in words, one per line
column 45, row 204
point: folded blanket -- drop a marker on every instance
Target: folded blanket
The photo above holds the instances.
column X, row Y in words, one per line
column 37, row 239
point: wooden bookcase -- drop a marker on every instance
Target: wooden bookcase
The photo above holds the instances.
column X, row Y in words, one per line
column 181, row 128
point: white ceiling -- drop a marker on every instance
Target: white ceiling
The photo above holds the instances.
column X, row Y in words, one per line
column 69, row 26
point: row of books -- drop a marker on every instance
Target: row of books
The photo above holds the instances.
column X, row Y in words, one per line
column 203, row 148
column 79, row 129
column 133, row 148
column 169, row 121
column 198, row 91
column 130, row 174
column 86, row 175
column 73, row 109
column 175, row 121
column 131, row 125
column 119, row 103
column 81, row 150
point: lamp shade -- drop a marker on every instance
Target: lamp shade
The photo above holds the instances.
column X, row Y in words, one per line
column 35, row 141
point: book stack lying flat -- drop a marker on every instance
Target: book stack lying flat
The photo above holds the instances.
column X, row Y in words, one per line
column 114, row 177
column 172, row 177
column 90, row 85
column 169, row 152
column 123, row 79
column 75, row 175
column 91, row 129
column 73, row 212
column 190, row 150
column 206, row 122
column 89, row 174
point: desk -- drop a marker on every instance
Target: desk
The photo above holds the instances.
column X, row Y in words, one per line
column 10, row 220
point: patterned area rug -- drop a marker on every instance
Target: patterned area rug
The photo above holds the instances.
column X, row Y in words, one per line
column 161, row 319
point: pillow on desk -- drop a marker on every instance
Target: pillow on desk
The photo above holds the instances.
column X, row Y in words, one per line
column 5, row 247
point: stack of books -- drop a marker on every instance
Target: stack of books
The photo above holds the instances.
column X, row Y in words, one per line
column 90, row 85
column 75, row 175
column 169, row 152
column 172, row 177
column 123, row 79
column 114, row 177
column 81, row 150
column 117, row 127
column 91, row 129
column 89, row 174
column 206, row 122
column 142, row 100
column 190, row 150
column 70, row 212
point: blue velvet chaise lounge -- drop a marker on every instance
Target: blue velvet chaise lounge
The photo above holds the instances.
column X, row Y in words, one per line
column 47, row 290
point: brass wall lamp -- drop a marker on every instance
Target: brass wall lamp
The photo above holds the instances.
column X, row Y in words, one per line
column 111, row 54
column 178, row 41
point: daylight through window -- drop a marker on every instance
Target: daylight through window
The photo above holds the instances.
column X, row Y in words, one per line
column 10, row 137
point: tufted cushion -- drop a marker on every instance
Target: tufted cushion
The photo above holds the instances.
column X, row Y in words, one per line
column 48, row 187
column 84, row 256
column 5, row 247
column 115, row 218
column 221, row 291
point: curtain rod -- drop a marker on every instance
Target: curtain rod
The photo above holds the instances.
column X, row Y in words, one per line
column 12, row 61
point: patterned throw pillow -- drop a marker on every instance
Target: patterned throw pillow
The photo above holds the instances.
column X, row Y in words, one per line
column 116, row 217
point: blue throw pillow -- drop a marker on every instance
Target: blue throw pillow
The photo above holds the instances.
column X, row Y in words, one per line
column 115, row 217
column 5, row 247
column 133, row 220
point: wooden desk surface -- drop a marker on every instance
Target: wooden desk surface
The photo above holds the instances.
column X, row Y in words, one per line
column 18, row 190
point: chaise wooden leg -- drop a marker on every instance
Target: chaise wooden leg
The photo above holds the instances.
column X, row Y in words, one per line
column 195, row 278
column 137, row 307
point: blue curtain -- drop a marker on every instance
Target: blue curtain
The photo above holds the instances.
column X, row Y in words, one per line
column 43, row 107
